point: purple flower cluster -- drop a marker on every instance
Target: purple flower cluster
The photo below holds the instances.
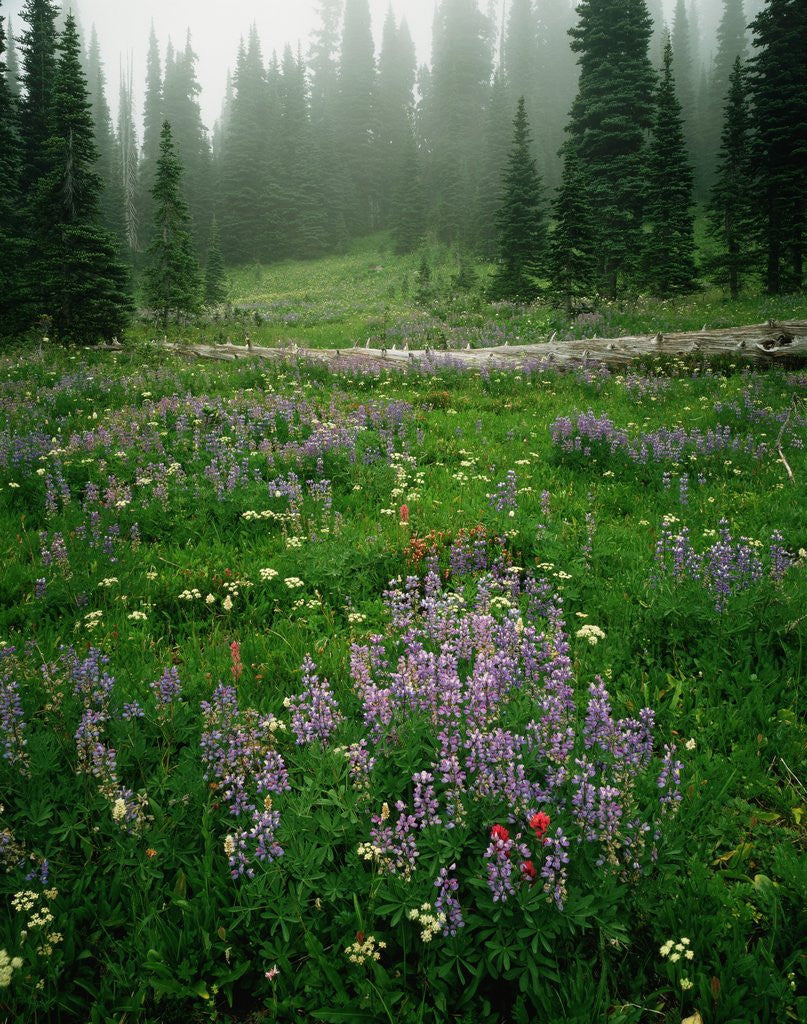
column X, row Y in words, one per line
column 505, row 497
column 447, row 903
column 12, row 723
column 167, row 689
column 314, row 711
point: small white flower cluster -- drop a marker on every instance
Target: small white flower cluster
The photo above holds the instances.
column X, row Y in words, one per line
column 293, row 582
column 593, row 634
column 429, row 922
column 675, row 951
column 268, row 574
column 356, row 618
column 137, row 616
column 190, row 595
column 366, row 949
column 27, row 902
column 8, row 965
column 93, row 619
column 110, row 581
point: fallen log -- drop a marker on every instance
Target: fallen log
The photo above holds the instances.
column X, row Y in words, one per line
column 759, row 343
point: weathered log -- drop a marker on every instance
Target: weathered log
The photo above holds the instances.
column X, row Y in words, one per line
column 759, row 343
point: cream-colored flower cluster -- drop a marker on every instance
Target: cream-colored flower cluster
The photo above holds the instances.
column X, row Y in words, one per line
column 8, row 965
column 593, row 634
column 40, row 919
column 366, row 949
column 430, row 923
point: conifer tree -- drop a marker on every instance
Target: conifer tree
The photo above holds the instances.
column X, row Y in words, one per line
column 152, row 127
column 683, row 71
column 520, row 221
column 609, row 118
column 733, row 199
column 14, row 311
column 572, row 263
column 731, row 43
column 409, row 203
column 668, row 262
column 12, row 65
column 172, row 271
column 496, row 140
column 778, row 80
column 555, row 85
column 128, row 163
column 394, row 110
column 84, row 287
column 38, row 46
column 215, row 278
column 356, row 117
column 111, row 203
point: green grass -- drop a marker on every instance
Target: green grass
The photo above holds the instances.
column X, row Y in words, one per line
column 152, row 925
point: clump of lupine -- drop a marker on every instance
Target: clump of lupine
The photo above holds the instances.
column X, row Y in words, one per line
column 724, row 568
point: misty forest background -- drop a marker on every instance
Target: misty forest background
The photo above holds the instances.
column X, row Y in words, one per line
column 630, row 129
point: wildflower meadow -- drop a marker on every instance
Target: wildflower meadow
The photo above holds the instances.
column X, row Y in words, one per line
column 413, row 695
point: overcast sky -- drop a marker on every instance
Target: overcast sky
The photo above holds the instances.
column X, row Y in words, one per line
column 123, row 28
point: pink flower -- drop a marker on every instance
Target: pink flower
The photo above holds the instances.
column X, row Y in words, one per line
column 499, row 832
column 272, row 973
column 235, row 658
column 404, row 514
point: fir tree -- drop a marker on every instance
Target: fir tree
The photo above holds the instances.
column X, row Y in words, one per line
column 668, row 262
column 731, row 44
column 12, row 65
column 609, row 119
column 14, row 311
column 152, row 126
column 496, row 140
column 394, row 109
column 356, row 117
column 409, row 203
column 38, row 46
column 733, row 199
column 572, row 262
column 84, row 287
column 683, row 70
column 215, row 278
column 555, row 85
column 111, row 208
column 172, row 272
column 778, row 80
column 520, row 221
column 128, row 163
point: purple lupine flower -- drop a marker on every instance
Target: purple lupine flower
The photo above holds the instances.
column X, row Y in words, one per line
column 505, row 497
column 554, row 868
column 669, row 780
column 167, row 689
column 315, row 711
column 425, row 802
column 12, row 724
column 447, row 903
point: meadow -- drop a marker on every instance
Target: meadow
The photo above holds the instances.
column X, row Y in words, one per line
column 410, row 696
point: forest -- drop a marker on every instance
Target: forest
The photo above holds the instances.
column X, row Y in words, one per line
column 569, row 150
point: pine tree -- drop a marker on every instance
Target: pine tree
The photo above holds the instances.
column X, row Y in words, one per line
column 731, row 43
column 85, row 289
column 394, row 110
column 243, row 212
column 520, row 221
column 609, row 119
column 215, row 278
column 38, row 46
column 14, row 308
column 683, row 71
column 12, row 65
column 356, row 117
column 733, row 199
column 778, row 80
column 409, row 203
column 111, row 209
column 152, row 126
column 668, row 263
column 172, row 271
column 572, row 263
column 128, row 163
column 493, row 155
column 556, row 85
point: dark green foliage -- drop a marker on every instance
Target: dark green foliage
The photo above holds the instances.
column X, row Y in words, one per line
column 497, row 137
column 215, row 277
column 571, row 257
column 109, row 159
column 778, row 80
column 12, row 66
column 451, row 117
column 38, row 46
column 172, row 272
column 731, row 43
column 733, row 197
column 408, row 214
column 395, row 113
column 242, row 210
column 128, row 164
column 14, row 312
column 668, row 264
column 683, row 71
column 83, row 287
column 555, row 85
column 609, row 119
column 152, row 126
column 356, row 118
column 520, row 219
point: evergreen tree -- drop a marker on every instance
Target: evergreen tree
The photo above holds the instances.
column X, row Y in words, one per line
column 731, row 44
column 609, row 118
column 496, row 140
column 152, row 127
column 779, row 90
column 683, row 71
column 555, row 85
column 14, row 311
column 128, row 163
column 243, row 197
column 323, row 60
column 409, row 203
column 356, row 117
column 181, row 109
column 172, row 272
column 520, row 221
column 519, row 60
column 108, row 165
column 84, row 287
column 668, row 261
column 572, row 262
column 655, row 8
column 733, row 199
column 394, row 110
column 215, row 278
column 12, row 65
column 38, row 46
column 453, row 115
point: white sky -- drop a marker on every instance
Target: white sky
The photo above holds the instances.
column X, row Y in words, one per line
column 123, row 30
